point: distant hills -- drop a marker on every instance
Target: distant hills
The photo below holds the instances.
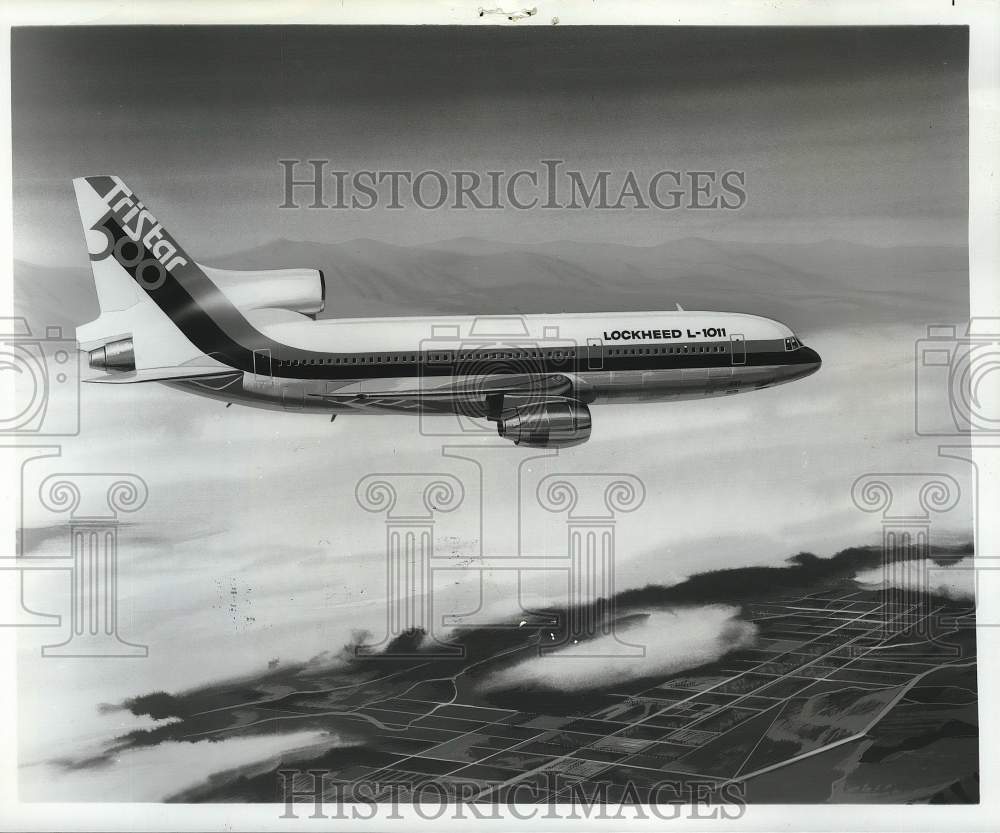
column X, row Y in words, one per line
column 810, row 285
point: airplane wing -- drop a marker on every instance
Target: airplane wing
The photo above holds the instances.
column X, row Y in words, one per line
column 160, row 374
column 474, row 396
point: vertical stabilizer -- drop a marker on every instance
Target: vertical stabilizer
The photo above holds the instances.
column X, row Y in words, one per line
column 131, row 256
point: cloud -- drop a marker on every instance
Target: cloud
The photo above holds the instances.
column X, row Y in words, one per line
column 674, row 640
column 951, row 581
column 153, row 773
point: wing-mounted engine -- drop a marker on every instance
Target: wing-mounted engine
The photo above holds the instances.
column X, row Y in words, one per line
column 553, row 424
column 297, row 290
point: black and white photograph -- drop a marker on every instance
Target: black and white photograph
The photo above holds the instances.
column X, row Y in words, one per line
column 510, row 419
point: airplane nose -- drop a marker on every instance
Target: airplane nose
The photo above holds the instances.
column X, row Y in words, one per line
column 801, row 362
column 813, row 361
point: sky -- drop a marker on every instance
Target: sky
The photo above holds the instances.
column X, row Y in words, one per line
column 858, row 135
column 845, row 133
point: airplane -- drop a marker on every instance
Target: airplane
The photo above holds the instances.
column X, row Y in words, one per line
column 254, row 338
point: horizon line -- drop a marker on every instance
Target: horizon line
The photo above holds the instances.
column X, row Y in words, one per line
column 551, row 242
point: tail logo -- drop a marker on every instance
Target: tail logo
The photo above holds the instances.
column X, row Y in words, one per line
column 124, row 226
column 149, row 270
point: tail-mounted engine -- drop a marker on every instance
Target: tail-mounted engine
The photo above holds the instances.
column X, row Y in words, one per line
column 115, row 355
column 298, row 290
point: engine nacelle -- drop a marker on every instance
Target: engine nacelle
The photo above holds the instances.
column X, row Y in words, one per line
column 546, row 425
column 115, row 355
column 298, row 290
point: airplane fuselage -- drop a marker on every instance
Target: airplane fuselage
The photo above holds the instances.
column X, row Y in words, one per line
column 351, row 365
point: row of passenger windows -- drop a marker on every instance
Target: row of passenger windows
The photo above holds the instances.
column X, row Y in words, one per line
column 449, row 356
column 663, row 351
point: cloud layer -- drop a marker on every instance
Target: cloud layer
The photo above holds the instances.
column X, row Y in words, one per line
column 951, row 581
column 673, row 640
column 155, row 772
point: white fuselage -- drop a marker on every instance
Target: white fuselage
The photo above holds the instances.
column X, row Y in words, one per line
column 358, row 364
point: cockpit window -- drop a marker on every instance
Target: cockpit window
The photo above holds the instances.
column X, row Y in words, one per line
column 792, row 343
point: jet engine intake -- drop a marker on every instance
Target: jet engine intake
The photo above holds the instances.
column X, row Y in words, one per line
column 298, row 290
column 554, row 424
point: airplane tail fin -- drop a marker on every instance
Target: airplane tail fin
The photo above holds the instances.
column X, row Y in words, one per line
column 130, row 254
column 163, row 316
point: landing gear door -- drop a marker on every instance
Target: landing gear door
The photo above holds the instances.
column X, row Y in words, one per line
column 262, row 365
column 738, row 349
column 595, row 354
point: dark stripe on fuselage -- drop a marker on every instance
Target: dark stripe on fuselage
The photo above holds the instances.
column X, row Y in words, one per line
column 216, row 327
column 384, row 364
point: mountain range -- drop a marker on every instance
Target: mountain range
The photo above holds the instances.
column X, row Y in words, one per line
column 809, row 286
